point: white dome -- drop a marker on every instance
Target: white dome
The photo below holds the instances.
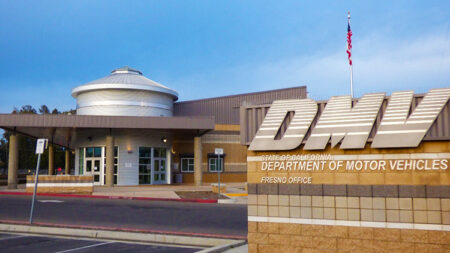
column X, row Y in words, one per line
column 125, row 92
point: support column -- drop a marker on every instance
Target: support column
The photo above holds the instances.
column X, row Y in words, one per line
column 67, row 162
column 51, row 155
column 109, row 161
column 13, row 161
column 198, row 161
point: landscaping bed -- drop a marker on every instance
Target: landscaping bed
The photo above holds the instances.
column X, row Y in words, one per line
column 199, row 195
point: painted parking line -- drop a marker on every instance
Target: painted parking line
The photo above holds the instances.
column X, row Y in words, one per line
column 13, row 237
column 85, row 247
column 51, row 201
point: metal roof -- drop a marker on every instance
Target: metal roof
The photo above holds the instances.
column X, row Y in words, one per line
column 125, row 78
column 226, row 109
column 126, row 69
column 90, row 121
column 61, row 128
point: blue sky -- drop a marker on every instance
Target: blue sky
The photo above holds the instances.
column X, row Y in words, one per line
column 214, row 48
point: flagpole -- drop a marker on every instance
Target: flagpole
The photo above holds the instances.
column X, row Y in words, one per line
column 351, row 80
column 351, row 65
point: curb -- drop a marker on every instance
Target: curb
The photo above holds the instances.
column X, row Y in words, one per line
column 121, row 234
column 204, row 201
column 123, row 229
column 226, row 201
column 223, row 248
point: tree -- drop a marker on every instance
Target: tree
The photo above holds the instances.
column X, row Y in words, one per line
column 70, row 112
column 44, row 110
column 27, row 145
column 27, row 109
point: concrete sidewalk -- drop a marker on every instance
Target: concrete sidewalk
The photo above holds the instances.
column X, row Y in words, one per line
column 240, row 249
column 235, row 192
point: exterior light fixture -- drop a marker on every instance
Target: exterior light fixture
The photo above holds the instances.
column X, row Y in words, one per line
column 164, row 139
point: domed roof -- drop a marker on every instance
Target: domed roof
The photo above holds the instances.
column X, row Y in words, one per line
column 125, row 78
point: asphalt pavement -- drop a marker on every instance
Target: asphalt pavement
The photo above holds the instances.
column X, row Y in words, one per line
column 18, row 243
column 217, row 219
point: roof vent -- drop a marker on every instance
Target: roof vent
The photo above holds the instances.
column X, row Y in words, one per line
column 126, row 70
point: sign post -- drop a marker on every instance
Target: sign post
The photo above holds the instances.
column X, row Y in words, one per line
column 41, row 145
column 218, row 152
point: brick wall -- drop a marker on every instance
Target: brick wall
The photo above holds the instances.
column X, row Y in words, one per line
column 235, row 161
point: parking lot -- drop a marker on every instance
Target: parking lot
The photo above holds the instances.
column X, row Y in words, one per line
column 34, row 243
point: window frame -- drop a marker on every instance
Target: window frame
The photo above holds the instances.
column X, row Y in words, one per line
column 150, row 159
column 189, row 159
column 215, row 163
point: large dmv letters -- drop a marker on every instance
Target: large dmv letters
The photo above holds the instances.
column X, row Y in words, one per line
column 342, row 123
column 304, row 112
column 351, row 126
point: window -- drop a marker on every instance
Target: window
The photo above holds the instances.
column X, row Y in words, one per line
column 159, row 152
column 187, row 164
column 94, row 152
column 214, row 164
column 97, row 151
column 90, row 152
column 80, row 161
column 145, row 152
column 145, row 163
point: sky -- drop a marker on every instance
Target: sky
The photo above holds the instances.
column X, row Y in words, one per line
column 207, row 49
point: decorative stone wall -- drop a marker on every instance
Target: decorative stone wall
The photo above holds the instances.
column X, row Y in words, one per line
column 61, row 184
column 392, row 209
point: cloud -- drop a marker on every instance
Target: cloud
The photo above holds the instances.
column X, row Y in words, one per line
column 381, row 64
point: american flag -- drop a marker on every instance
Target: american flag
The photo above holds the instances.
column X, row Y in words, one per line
column 349, row 41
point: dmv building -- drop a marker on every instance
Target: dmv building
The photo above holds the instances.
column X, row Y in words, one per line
column 368, row 174
column 350, row 175
column 130, row 130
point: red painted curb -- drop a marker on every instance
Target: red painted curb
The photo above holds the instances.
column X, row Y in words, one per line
column 109, row 197
column 125, row 229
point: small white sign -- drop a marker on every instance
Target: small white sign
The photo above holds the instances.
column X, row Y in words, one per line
column 41, row 145
column 218, row 151
column 128, row 165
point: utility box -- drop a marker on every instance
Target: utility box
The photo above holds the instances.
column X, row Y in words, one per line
column 178, row 178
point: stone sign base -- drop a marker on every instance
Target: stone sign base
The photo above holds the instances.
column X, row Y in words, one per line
column 285, row 237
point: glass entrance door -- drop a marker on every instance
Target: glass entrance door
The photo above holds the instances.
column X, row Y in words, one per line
column 159, row 171
column 152, row 165
column 93, row 167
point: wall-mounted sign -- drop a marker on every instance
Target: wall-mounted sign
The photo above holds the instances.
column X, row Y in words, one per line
column 302, row 168
column 351, row 126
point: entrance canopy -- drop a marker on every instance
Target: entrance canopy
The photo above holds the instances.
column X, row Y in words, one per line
column 62, row 129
